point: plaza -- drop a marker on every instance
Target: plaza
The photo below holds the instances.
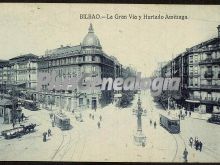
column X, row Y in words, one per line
column 113, row 141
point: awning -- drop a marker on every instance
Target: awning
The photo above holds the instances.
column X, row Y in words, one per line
column 193, row 101
column 18, row 84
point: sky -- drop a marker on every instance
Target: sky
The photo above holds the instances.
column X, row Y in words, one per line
column 34, row 28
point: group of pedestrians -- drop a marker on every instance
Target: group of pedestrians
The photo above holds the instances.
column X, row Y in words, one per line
column 20, row 119
column 155, row 124
column 196, row 143
column 91, row 116
column 99, row 121
column 46, row 134
column 182, row 115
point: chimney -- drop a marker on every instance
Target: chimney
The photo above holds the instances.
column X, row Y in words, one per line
column 218, row 31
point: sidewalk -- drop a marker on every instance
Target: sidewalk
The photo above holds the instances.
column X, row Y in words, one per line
column 200, row 116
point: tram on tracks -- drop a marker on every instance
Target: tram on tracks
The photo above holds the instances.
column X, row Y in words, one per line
column 170, row 123
column 62, row 121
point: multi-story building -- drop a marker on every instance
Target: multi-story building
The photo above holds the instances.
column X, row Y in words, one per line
column 24, row 73
column 166, row 70
column 199, row 70
column 5, row 76
column 74, row 61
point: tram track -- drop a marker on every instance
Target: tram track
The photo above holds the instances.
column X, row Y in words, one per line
column 59, row 148
column 68, row 144
column 178, row 151
column 64, row 152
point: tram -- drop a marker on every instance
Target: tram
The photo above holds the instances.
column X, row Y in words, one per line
column 62, row 121
column 171, row 123
column 215, row 118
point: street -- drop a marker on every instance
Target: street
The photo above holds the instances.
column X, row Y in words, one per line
column 113, row 141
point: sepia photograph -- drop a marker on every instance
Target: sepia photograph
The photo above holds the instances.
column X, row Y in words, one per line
column 109, row 82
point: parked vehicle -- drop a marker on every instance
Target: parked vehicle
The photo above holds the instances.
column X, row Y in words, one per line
column 29, row 104
column 215, row 118
column 62, row 121
column 18, row 131
column 171, row 123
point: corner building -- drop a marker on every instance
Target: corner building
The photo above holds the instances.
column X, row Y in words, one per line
column 74, row 61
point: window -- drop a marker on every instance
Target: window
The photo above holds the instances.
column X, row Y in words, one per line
column 93, row 58
column 196, row 58
column 191, row 82
column 191, row 59
column 196, row 81
column 196, row 70
column 80, row 101
column 191, row 70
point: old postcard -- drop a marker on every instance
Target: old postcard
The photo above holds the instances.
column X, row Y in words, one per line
column 109, row 83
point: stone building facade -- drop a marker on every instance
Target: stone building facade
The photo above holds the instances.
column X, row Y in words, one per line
column 74, row 61
column 199, row 70
column 24, row 74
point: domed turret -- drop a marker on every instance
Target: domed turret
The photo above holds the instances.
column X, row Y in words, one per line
column 91, row 40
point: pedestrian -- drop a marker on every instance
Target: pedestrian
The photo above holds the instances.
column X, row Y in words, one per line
column 189, row 113
column 92, row 117
column 100, row 118
column 150, row 122
column 98, row 124
column 179, row 116
column 44, row 136
column 53, row 123
column 185, row 154
column 13, row 124
column 19, row 120
column 197, row 144
column 49, row 132
column 155, row 124
column 186, row 113
column 191, row 141
column 22, row 116
column 200, row 146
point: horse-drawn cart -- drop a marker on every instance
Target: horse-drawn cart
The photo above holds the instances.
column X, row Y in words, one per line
column 18, row 131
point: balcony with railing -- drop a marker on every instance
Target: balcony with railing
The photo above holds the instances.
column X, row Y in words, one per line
column 210, row 61
column 194, row 98
column 93, row 51
column 205, row 100
column 210, row 100
column 210, row 86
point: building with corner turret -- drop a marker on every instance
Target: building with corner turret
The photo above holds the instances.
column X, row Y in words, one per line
column 74, row 61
